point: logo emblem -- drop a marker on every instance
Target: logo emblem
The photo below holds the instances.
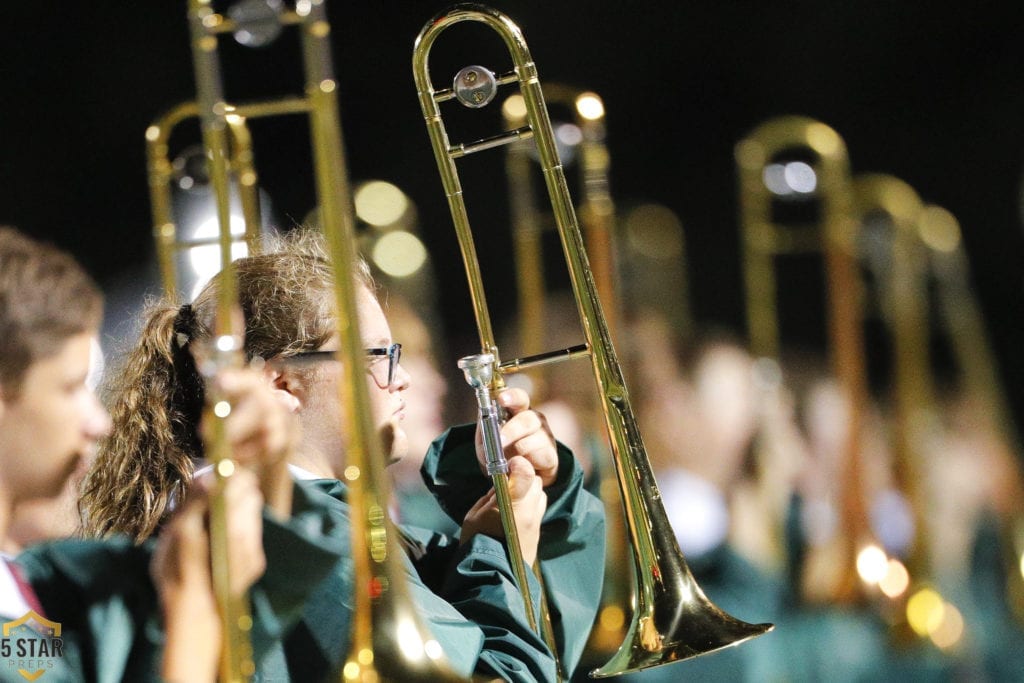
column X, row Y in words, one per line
column 32, row 645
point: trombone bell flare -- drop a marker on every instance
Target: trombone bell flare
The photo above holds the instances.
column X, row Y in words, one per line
column 673, row 619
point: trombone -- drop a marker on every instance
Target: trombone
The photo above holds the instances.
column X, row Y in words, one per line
column 597, row 210
column 597, row 220
column 672, row 618
column 903, row 289
column 902, row 292
column 940, row 234
column 161, row 169
column 833, row 236
column 388, row 641
column 901, row 282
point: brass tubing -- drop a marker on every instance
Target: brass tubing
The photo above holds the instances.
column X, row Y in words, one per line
column 904, row 302
column 672, row 619
column 236, row 655
column 763, row 240
column 940, row 233
column 388, row 640
column 382, row 606
column 527, row 362
column 597, row 214
column 161, row 174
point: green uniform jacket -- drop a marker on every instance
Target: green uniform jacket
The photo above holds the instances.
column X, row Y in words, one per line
column 100, row 593
column 466, row 595
column 572, row 542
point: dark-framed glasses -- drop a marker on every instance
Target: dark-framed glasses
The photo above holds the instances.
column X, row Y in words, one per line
column 376, row 366
column 394, row 355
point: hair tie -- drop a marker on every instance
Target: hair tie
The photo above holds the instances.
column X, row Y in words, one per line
column 184, row 325
column 185, row 404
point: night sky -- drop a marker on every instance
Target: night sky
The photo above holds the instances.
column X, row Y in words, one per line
column 928, row 92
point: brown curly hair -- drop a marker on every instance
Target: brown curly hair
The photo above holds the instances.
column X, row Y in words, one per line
column 156, row 397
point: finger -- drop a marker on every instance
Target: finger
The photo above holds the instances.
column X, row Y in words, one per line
column 521, row 477
column 198, row 492
column 182, row 553
column 253, row 412
column 533, row 492
column 538, row 448
column 244, row 504
column 240, row 484
column 520, row 468
column 528, row 435
column 514, row 400
column 534, row 497
column 232, row 383
column 537, row 490
column 233, row 387
column 522, row 425
column 486, row 501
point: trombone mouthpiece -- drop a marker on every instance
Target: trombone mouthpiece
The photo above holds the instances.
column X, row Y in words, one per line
column 478, row 369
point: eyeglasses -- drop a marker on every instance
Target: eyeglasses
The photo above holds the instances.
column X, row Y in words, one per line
column 393, row 353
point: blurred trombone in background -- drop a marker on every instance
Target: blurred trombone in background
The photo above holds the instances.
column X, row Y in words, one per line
column 798, row 158
column 889, row 213
column 561, row 397
column 977, row 416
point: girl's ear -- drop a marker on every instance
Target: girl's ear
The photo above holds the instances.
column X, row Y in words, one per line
column 284, row 385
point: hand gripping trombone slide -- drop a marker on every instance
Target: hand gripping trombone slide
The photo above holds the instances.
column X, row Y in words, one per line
column 479, row 372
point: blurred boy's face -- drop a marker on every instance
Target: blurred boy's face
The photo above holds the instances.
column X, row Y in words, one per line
column 50, row 428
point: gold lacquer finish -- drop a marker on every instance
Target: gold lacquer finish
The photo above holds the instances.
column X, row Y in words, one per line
column 239, row 162
column 833, row 236
column 236, row 663
column 388, row 640
column 672, row 619
column 597, row 219
column 940, row 233
column 904, row 296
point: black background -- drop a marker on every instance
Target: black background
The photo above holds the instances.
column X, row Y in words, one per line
column 929, row 92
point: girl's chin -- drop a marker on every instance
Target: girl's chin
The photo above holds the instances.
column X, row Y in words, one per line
column 399, row 446
column 394, row 440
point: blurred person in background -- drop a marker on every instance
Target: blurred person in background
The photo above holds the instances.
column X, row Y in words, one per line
column 44, row 519
column 424, row 415
column 108, row 610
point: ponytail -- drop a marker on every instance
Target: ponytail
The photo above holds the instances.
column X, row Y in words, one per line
column 155, row 400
